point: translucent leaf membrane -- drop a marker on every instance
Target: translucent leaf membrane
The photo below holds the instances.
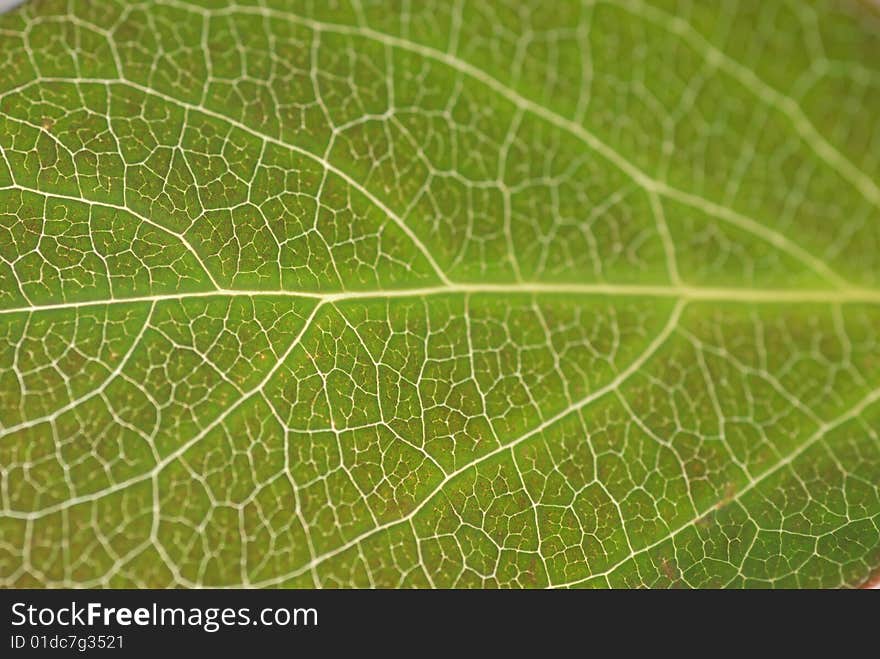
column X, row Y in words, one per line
column 463, row 295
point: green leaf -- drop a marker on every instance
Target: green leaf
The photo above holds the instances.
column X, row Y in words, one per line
column 440, row 294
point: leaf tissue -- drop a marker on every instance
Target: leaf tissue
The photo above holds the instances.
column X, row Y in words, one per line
column 440, row 294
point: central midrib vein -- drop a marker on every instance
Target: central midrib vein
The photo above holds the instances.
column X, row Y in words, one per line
column 684, row 292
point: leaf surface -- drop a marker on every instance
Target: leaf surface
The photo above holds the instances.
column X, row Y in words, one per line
column 450, row 294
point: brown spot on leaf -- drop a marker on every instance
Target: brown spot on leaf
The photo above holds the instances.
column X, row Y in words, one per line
column 669, row 569
column 873, row 582
column 728, row 496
